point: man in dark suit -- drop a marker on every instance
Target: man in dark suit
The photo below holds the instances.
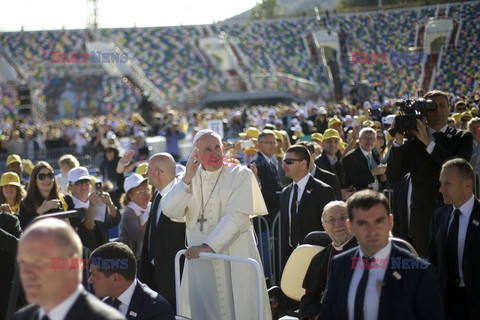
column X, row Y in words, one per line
column 455, row 241
column 334, row 221
column 163, row 237
column 10, row 232
column 265, row 162
column 323, row 175
column 302, row 201
column 378, row 279
column 49, row 256
column 423, row 158
column 362, row 165
column 118, row 283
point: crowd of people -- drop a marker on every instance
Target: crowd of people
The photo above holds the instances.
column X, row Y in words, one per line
column 315, row 167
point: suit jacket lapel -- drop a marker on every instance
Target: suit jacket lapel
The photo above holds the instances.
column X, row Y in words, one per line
column 391, row 282
column 77, row 311
column 135, row 303
column 305, row 195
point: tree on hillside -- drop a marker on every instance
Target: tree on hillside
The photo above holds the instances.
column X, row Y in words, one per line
column 267, row 9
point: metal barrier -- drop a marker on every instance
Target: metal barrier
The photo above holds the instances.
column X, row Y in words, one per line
column 261, row 222
column 277, row 256
column 213, row 256
column 389, row 194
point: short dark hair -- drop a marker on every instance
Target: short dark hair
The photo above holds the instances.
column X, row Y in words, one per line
column 309, row 145
column 465, row 169
column 120, row 257
column 265, row 133
column 301, row 152
column 435, row 93
column 366, row 199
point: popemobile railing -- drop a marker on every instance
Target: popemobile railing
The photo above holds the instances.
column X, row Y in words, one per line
column 215, row 256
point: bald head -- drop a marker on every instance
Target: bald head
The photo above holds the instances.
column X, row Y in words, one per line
column 49, row 256
column 161, row 169
column 62, row 234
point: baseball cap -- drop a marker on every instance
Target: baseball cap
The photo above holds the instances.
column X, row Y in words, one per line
column 331, row 133
column 334, row 121
column 133, row 181
column 142, row 168
column 10, row 179
column 251, row 132
column 77, row 174
column 13, row 158
column 317, row 136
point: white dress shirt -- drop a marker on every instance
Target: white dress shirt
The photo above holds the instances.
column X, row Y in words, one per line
column 126, row 297
column 61, row 310
column 463, row 221
column 374, row 285
column 430, row 132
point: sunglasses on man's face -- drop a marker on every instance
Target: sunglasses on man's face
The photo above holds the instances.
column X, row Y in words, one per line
column 290, row 161
column 42, row 176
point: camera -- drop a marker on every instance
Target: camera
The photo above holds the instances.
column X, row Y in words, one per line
column 411, row 111
column 98, row 188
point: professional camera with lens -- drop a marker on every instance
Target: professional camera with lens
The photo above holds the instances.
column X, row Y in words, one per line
column 411, row 111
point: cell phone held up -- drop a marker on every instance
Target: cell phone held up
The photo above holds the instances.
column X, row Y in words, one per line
column 98, row 188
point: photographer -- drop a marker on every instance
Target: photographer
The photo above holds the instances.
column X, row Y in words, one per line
column 430, row 145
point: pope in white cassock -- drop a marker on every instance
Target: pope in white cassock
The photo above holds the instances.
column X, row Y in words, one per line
column 217, row 203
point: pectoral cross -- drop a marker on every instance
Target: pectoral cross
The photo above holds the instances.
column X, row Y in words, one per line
column 202, row 219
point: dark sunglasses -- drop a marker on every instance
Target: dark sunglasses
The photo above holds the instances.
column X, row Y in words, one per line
column 82, row 182
column 290, row 161
column 42, row 176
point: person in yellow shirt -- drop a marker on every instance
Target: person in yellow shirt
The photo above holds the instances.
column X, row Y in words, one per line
column 11, row 192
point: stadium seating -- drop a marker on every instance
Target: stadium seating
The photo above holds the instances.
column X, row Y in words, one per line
column 168, row 57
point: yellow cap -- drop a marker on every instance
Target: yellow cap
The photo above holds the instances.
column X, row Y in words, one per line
column 278, row 135
column 10, row 179
column 27, row 166
column 93, row 180
column 334, row 121
column 457, row 117
column 251, row 132
column 361, row 119
column 466, row 114
column 331, row 133
column 250, row 150
column 317, row 136
column 13, row 158
column 142, row 169
column 368, row 123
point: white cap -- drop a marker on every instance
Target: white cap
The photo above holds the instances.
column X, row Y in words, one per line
column 77, row 174
column 133, row 181
column 388, row 119
column 111, row 135
column 204, row 132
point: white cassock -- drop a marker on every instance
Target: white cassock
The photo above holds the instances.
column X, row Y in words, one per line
column 214, row 289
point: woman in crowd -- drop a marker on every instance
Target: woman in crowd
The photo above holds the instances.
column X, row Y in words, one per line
column 136, row 203
column 43, row 195
column 11, row 193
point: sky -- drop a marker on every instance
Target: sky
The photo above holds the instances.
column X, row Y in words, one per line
column 73, row 14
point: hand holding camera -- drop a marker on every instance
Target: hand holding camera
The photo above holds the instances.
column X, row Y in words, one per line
column 48, row 205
